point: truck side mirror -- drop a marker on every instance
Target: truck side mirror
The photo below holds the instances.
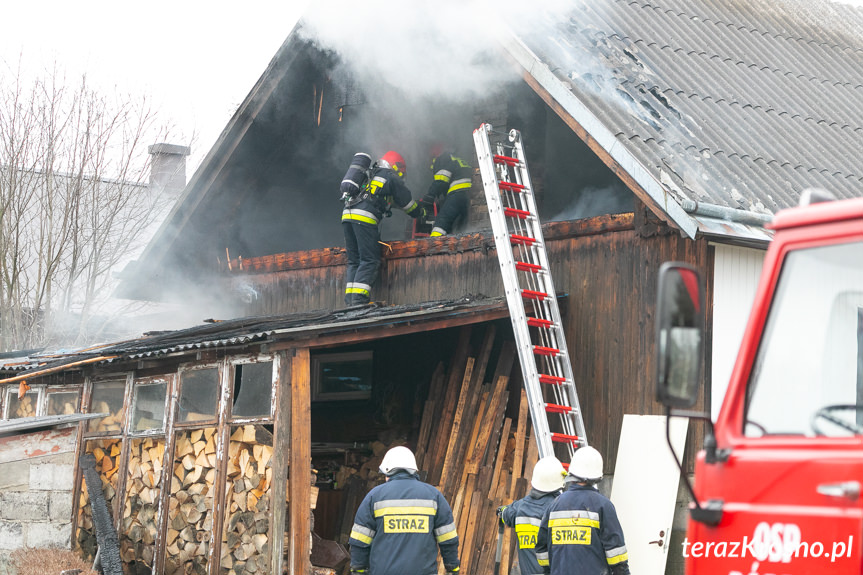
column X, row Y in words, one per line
column 679, row 334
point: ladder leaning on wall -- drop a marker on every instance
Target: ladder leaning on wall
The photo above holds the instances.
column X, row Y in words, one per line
column 530, row 295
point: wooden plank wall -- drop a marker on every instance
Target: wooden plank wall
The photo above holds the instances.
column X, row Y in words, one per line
column 608, row 270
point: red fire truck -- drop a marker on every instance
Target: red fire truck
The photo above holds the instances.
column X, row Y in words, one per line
column 777, row 487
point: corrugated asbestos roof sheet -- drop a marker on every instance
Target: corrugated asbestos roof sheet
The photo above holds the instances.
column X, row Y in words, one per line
column 740, row 104
column 242, row 331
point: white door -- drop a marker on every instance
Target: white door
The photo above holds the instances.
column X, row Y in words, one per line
column 644, row 490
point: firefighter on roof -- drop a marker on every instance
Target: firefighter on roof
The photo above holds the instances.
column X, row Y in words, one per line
column 526, row 514
column 450, row 188
column 361, row 223
column 580, row 532
column 400, row 524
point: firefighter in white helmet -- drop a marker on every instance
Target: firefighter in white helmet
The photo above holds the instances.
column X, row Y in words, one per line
column 580, row 532
column 401, row 524
column 526, row 514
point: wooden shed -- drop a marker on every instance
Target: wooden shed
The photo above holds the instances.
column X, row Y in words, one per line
column 219, row 439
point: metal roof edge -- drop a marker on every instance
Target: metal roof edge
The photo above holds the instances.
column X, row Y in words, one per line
column 723, row 231
column 603, row 136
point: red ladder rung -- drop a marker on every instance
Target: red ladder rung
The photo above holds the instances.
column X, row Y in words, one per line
column 537, row 322
column 515, row 213
column 511, row 187
column 531, row 294
column 564, row 438
column 509, row 161
column 540, row 350
column 522, row 240
column 526, row 267
column 551, row 379
column 555, row 408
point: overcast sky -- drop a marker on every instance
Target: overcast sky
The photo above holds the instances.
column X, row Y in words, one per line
column 197, row 60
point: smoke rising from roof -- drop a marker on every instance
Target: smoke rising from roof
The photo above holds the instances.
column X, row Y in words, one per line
column 437, row 49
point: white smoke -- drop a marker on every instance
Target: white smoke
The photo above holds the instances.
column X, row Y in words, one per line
column 444, row 49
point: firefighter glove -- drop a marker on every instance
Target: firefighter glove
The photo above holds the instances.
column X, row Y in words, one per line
column 500, row 510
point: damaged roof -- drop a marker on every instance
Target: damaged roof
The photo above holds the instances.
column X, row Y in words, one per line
column 740, row 105
column 263, row 329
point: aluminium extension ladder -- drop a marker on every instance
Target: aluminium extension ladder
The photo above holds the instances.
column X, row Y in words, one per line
column 527, row 282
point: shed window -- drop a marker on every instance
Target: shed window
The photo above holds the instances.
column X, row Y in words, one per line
column 149, row 406
column 108, row 397
column 61, row 403
column 25, row 406
column 337, row 376
column 253, row 389
column 199, row 394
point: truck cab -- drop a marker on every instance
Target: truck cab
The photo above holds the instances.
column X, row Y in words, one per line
column 777, row 489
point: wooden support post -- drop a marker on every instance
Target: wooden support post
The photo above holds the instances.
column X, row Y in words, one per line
column 281, row 453
column 300, row 463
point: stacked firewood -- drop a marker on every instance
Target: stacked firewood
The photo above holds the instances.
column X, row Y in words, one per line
column 246, row 533
column 61, row 403
column 190, row 508
column 113, row 422
column 141, row 509
column 107, row 454
column 26, row 406
column 472, row 452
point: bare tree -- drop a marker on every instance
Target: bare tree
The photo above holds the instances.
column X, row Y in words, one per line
column 74, row 204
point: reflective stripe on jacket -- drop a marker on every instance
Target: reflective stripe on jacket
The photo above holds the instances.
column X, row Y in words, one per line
column 580, row 533
column 385, row 188
column 525, row 515
column 451, row 174
column 399, row 527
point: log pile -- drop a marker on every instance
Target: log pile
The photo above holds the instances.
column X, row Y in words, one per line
column 190, row 507
column 141, row 508
column 113, row 422
column 61, row 403
column 246, row 532
column 473, row 453
column 107, row 454
column 25, row 406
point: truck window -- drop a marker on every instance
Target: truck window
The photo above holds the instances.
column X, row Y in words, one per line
column 808, row 374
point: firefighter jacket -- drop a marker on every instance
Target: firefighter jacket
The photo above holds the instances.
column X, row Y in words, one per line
column 525, row 515
column 580, row 534
column 399, row 527
column 383, row 189
column 451, row 174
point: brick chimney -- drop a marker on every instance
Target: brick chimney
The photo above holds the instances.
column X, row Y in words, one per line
column 168, row 170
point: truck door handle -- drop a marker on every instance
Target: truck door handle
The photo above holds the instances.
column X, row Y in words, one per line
column 847, row 489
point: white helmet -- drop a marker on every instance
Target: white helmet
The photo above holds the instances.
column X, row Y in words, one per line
column 586, row 465
column 399, row 457
column 548, row 474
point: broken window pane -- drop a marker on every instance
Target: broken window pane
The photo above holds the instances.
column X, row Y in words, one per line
column 16, row 407
column 149, row 402
column 199, row 394
column 61, row 403
column 108, row 398
column 253, row 388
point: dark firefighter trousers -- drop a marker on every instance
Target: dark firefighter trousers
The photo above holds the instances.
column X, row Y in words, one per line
column 453, row 212
column 364, row 261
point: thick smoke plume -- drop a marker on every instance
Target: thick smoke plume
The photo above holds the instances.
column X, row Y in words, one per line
column 444, row 49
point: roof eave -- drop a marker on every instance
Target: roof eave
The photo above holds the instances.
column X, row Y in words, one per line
column 651, row 191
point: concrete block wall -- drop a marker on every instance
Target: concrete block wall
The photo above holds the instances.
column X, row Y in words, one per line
column 36, row 502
